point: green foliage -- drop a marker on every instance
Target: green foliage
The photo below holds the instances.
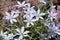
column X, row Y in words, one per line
column 1, row 38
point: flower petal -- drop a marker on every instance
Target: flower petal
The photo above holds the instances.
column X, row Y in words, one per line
column 34, row 20
column 38, row 11
column 32, row 23
column 18, row 2
column 41, row 17
column 42, row 14
column 28, row 24
column 16, row 15
column 23, row 2
column 26, row 35
column 7, row 14
column 11, row 21
column 20, row 37
column 14, row 20
column 26, row 32
column 22, row 29
column 18, row 30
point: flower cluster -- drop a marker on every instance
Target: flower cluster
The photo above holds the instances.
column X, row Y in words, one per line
column 30, row 17
column 10, row 36
column 29, row 13
column 34, row 22
column 54, row 27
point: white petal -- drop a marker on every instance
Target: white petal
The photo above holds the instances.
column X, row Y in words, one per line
column 22, row 29
column 25, row 12
column 10, row 36
column 43, row 1
column 42, row 14
column 15, row 39
column 18, row 30
column 33, row 20
column 18, row 6
column 58, row 33
column 18, row 2
column 23, row 2
column 41, row 17
column 28, row 4
column 1, row 32
column 17, row 12
column 16, row 15
column 26, row 32
column 12, row 13
column 28, row 24
column 5, row 32
column 21, row 37
column 37, row 18
column 14, row 20
column 54, row 14
column 24, row 16
column 25, row 21
column 32, row 23
column 11, row 21
column 7, row 14
column 7, row 17
column 32, row 7
column 38, row 11
column 26, row 35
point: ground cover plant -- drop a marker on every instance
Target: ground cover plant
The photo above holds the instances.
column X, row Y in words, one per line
column 29, row 20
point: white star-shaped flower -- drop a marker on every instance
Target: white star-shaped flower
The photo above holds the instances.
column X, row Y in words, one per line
column 29, row 12
column 5, row 36
column 39, row 15
column 52, row 27
column 23, row 4
column 29, row 20
column 11, row 16
column 52, row 14
column 9, row 36
column 57, row 29
column 22, row 33
column 52, row 6
column 29, row 9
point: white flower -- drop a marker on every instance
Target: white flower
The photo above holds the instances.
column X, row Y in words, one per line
column 22, row 33
column 9, row 36
column 23, row 4
column 29, row 14
column 39, row 15
column 5, row 36
column 28, row 7
column 52, row 27
column 29, row 11
column 29, row 20
column 52, row 14
column 12, row 16
column 52, row 6
column 58, row 29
